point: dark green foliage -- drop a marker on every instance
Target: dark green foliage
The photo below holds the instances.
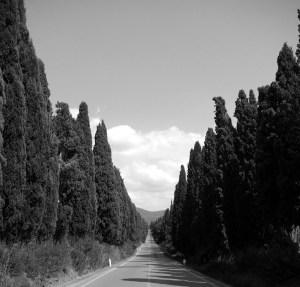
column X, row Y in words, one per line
column 191, row 206
column 14, row 175
column 125, row 207
column 2, row 157
column 298, row 44
column 108, row 214
column 178, row 236
column 68, row 166
column 139, row 227
column 278, row 153
column 108, row 220
column 227, row 163
column 245, row 146
column 42, row 160
column 210, row 243
column 86, row 163
column 162, row 227
column 30, row 178
column 74, row 196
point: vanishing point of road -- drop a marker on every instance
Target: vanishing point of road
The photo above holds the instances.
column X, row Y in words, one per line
column 148, row 268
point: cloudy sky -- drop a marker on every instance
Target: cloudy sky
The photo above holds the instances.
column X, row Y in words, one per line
column 150, row 69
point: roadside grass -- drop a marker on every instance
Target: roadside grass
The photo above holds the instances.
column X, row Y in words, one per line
column 44, row 264
column 276, row 265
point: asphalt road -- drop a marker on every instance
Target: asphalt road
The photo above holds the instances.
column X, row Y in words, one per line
column 148, row 268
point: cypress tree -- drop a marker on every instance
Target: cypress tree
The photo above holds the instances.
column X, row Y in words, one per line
column 132, row 227
column 178, row 236
column 160, row 228
column 245, row 145
column 29, row 192
column 72, row 215
column 227, row 169
column 108, row 220
column 49, row 151
column 87, row 165
column 191, row 204
column 2, row 103
column 2, row 158
column 124, row 204
column 278, row 153
column 298, row 44
column 211, row 242
column 14, row 111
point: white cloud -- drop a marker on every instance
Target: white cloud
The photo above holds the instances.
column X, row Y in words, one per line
column 74, row 112
column 150, row 162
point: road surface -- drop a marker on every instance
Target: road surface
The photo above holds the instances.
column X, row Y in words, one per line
column 148, row 268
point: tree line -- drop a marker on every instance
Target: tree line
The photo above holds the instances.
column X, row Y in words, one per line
column 242, row 187
column 54, row 183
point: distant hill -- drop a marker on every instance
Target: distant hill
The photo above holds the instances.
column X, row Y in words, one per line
column 150, row 216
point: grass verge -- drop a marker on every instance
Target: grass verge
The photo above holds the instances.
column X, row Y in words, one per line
column 45, row 264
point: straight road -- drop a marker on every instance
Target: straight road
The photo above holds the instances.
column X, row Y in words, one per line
column 148, row 268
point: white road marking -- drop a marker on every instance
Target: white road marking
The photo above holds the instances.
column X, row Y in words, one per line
column 96, row 278
column 124, row 263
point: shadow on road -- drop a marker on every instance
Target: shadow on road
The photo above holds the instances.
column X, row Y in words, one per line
column 162, row 271
column 167, row 282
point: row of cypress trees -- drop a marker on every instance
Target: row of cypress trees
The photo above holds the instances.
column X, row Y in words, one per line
column 53, row 182
column 242, row 187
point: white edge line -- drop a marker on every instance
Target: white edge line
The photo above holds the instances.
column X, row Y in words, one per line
column 96, row 278
column 105, row 273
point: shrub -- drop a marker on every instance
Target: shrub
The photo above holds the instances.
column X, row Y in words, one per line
column 276, row 261
column 51, row 258
column 35, row 264
column 78, row 260
column 95, row 255
column 21, row 281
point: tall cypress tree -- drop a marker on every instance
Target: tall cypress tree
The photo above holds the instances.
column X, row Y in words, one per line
column 108, row 220
column 178, row 235
column 278, row 153
column 87, row 165
column 227, row 168
column 14, row 175
column 245, row 145
column 2, row 103
column 124, row 206
column 71, row 214
column 29, row 192
column 49, row 151
column 211, row 239
column 2, row 158
column 298, row 44
column 191, row 203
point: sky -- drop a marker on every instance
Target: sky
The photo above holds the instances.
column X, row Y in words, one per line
column 150, row 69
